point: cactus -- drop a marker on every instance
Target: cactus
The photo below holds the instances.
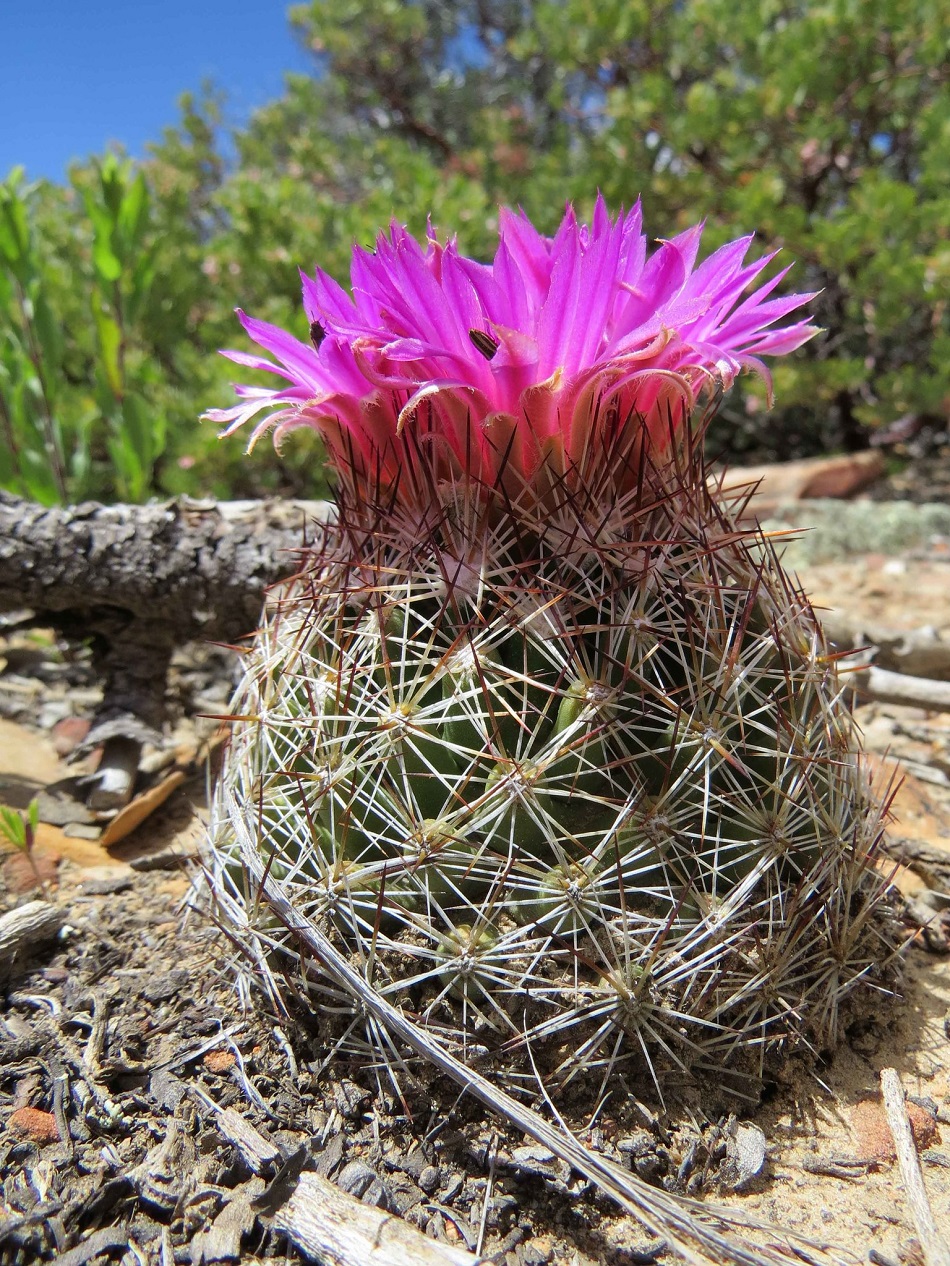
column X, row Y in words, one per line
column 539, row 736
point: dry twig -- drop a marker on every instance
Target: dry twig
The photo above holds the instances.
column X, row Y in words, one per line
column 934, row 1246
column 332, row 1227
column 915, row 692
column 26, row 927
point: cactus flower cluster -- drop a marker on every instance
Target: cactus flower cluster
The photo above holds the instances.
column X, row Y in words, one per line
column 504, row 372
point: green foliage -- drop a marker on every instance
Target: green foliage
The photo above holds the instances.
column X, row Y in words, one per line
column 824, row 127
column 76, row 395
column 19, row 829
column 123, row 268
column 33, row 457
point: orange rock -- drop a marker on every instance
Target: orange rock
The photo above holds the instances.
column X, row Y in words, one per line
column 68, row 734
column 873, row 1135
column 34, row 1124
column 21, row 873
column 219, row 1061
column 782, row 482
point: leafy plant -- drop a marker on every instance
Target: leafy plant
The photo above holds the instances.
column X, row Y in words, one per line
column 38, row 449
column 19, row 829
column 72, row 406
column 123, row 264
column 823, row 127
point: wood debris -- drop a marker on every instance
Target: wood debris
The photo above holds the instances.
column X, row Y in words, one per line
column 25, row 928
column 331, row 1227
column 935, row 1246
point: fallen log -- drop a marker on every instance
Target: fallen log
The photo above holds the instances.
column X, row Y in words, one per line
column 139, row 580
column 780, row 483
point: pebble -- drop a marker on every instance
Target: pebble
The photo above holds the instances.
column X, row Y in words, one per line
column 452, row 1188
column 349, row 1098
column 62, row 804
column 745, row 1157
column 81, row 831
column 219, row 1061
column 535, row 1253
column 535, row 1160
column 105, row 885
column 873, row 1137
column 166, row 985
column 53, row 713
column 412, row 1164
column 362, row 1181
column 34, row 1124
column 429, row 1179
column 68, row 733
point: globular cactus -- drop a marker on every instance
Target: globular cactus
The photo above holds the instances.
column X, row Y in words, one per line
column 542, row 739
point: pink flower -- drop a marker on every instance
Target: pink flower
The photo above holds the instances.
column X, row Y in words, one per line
column 559, row 356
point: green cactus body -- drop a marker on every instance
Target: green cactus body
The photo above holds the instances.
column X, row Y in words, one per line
column 629, row 797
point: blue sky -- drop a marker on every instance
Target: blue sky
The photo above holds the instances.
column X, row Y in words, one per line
column 77, row 74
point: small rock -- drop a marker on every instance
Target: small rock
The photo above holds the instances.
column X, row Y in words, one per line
column 452, row 1189
column 328, row 1159
column 745, row 1157
column 105, row 885
column 63, row 803
column 540, row 1163
column 21, row 873
column 166, row 985
column 172, row 857
column 873, row 1135
column 639, row 1143
column 219, row 1061
column 536, row 1252
column 34, row 1124
column 349, row 1098
column 924, row 1101
column 52, row 713
column 429, row 1179
column 405, row 1199
column 68, row 734
column 412, row 1164
column 362, row 1181
column 166, row 1089
column 435, row 1227
column 82, row 831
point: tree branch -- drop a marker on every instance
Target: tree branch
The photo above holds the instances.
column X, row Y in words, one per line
column 140, row 580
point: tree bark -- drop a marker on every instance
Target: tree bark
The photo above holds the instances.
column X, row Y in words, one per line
column 140, row 580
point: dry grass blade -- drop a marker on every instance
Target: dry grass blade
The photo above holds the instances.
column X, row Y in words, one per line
column 688, row 1225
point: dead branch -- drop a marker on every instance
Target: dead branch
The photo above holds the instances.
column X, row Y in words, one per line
column 935, row 1249
column 887, row 687
column 26, row 927
column 139, row 580
column 330, row 1226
